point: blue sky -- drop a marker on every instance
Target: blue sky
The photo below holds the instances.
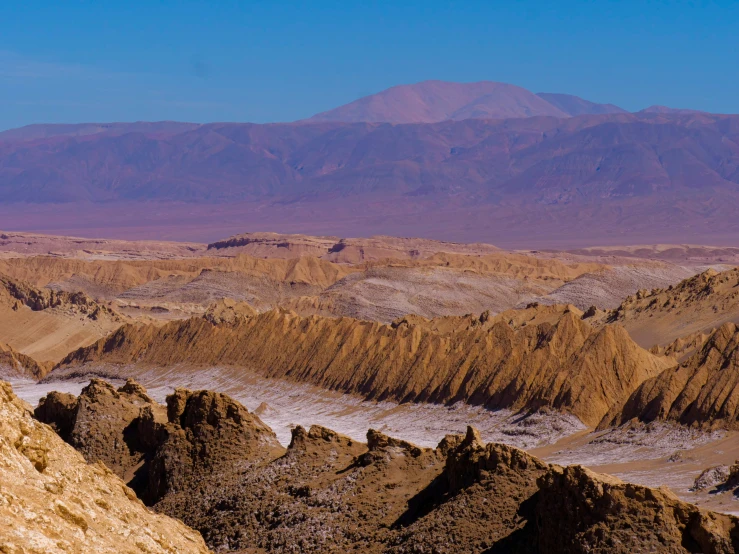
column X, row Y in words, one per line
column 73, row 61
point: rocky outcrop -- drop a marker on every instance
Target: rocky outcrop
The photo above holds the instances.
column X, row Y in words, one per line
column 19, row 293
column 207, row 436
column 703, row 390
column 101, row 422
column 228, row 311
column 330, row 493
column 159, row 451
column 716, row 477
column 52, row 501
column 14, row 365
column 696, row 305
column 580, row 511
column 525, row 359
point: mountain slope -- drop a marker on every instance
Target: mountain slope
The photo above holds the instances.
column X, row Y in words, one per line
column 14, row 364
column 666, row 110
column 47, row 324
column 574, row 105
column 696, row 305
column 518, row 359
column 703, row 390
column 433, row 101
column 597, row 158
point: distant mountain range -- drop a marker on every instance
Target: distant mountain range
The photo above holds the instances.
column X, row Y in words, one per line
column 544, row 159
column 476, row 145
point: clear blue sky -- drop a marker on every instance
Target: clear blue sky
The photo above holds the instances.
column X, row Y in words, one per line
column 73, row 61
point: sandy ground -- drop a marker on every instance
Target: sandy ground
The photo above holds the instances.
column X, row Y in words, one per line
column 284, row 405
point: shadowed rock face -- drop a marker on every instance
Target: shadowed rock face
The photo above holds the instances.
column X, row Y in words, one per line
column 545, row 356
column 216, row 467
column 703, row 390
column 159, row 451
column 580, row 511
column 15, row 364
column 101, row 422
column 52, row 501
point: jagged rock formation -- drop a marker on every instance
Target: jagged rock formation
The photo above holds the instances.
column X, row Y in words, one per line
column 47, row 324
column 329, row 493
column 42, row 299
column 100, row 422
column 528, row 359
column 228, row 311
column 588, row 512
column 15, row 364
column 157, row 449
column 52, row 501
column 703, row 390
column 697, row 304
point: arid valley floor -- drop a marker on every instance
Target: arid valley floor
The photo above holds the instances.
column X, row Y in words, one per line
column 294, row 393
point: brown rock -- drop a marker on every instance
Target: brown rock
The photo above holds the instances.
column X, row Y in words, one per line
column 543, row 356
column 15, row 364
column 703, row 390
column 216, row 466
column 52, row 501
column 100, row 422
column 580, row 511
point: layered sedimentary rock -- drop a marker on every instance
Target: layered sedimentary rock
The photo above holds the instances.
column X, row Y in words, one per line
column 216, row 466
column 52, row 501
column 47, row 324
column 539, row 357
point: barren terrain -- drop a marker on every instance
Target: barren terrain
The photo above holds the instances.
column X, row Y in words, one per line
column 621, row 359
column 207, row 459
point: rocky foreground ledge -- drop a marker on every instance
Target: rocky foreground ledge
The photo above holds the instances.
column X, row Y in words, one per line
column 51, row 500
column 205, row 459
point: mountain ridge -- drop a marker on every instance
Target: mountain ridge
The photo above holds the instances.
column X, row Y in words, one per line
column 520, row 359
column 542, row 160
column 435, row 101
